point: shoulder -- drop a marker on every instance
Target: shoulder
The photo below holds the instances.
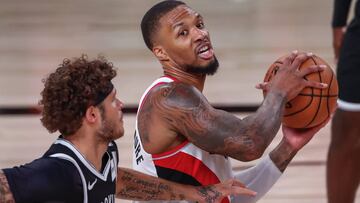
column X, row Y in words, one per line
column 43, row 168
column 44, row 179
column 176, row 94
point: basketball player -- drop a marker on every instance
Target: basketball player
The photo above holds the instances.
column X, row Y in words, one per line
column 343, row 165
column 181, row 137
column 80, row 102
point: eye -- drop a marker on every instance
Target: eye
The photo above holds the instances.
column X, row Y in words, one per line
column 183, row 33
column 200, row 25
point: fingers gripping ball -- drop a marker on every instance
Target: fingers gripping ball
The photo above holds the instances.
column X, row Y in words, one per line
column 312, row 106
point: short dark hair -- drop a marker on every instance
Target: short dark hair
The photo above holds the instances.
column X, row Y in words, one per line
column 73, row 87
column 150, row 21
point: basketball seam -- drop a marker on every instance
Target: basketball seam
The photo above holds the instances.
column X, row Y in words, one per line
column 319, row 104
column 301, row 110
column 305, row 107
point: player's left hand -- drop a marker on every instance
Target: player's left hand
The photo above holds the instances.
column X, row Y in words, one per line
column 298, row 138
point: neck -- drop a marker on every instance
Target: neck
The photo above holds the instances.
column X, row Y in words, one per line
column 89, row 146
column 196, row 80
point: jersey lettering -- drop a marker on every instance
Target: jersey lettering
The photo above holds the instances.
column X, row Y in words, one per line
column 137, row 148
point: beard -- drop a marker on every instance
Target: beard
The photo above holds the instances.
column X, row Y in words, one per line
column 207, row 70
column 108, row 131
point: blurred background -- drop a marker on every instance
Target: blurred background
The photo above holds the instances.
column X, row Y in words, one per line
column 247, row 35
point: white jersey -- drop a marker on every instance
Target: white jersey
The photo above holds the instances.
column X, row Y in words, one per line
column 186, row 163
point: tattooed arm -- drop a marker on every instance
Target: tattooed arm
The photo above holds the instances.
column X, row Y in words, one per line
column 5, row 193
column 182, row 109
column 134, row 185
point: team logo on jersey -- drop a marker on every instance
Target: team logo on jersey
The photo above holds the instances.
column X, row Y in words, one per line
column 91, row 185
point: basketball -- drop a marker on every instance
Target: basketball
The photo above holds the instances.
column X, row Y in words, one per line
column 312, row 106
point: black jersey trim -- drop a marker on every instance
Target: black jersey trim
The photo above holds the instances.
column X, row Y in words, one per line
column 86, row 163
column 176, row 176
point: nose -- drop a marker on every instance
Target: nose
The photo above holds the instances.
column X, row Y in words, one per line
column 200, row 34
column 119, row 104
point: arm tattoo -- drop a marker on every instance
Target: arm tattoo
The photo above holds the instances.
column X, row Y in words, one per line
column 209, row 194
column 137, row 186
column 282, row 156
column 184, row 109
column 5, row 193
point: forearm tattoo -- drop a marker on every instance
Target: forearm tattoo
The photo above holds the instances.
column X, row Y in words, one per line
column 209, row 194
column 137, row 188
column 5, row 193
column 282, row 156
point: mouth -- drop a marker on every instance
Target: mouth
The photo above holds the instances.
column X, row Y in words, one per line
column 205, row 51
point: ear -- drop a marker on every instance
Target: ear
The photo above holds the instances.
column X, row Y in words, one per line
column 92, row 114
column 160, row 53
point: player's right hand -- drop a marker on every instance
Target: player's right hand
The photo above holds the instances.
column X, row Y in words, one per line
column 289, row 80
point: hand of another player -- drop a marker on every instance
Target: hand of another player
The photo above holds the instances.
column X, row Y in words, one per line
column 298, row 138
column 215, row 193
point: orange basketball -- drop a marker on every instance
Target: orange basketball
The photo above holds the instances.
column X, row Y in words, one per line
column 312, row 106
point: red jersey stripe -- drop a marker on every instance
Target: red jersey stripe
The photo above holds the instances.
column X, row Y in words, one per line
column 192, row 166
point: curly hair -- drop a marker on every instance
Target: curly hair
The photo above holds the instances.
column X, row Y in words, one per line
column 71, row 89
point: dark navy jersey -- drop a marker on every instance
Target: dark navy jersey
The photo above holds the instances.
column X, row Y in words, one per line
column 64, row 175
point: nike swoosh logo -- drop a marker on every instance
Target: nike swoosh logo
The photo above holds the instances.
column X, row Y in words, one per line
column 91, row 186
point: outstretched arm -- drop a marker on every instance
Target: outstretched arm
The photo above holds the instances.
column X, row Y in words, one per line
column 5, row 193
column 138, row 186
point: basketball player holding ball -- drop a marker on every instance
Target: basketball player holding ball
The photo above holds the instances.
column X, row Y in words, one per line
column 180, row 137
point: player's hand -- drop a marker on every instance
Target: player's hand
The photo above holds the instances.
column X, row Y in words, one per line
column 298, row 138
column 215, row 193
column 289, row 80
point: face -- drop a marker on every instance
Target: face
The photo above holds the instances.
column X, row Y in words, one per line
column 186, row 42
column 112, row 126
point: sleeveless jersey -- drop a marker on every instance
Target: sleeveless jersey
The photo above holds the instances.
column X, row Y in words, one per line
column 186, row 163
column 64, row 175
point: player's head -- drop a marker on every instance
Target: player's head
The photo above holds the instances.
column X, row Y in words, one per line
column 79, row 93
column 176, row 34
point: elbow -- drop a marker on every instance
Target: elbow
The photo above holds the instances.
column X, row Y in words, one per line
column 252, row 154
column 253, row 151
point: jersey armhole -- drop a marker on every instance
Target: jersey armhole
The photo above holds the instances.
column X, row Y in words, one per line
column 70, row 159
